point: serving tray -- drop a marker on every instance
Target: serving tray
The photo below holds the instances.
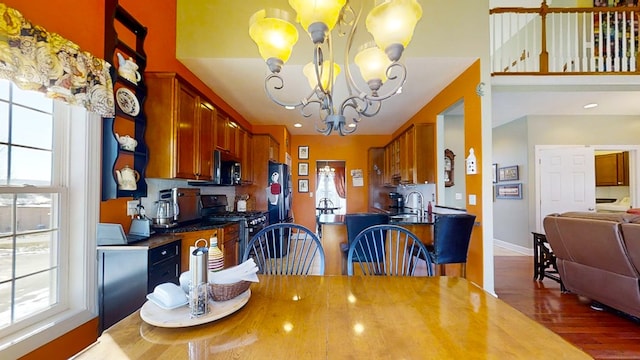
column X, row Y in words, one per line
column 180, row 317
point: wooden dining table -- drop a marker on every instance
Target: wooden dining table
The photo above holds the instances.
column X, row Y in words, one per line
column 341, row 317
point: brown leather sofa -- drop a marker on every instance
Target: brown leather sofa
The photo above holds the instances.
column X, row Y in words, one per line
column 598, row 256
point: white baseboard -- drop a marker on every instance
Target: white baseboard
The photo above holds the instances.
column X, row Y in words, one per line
column 513, row 247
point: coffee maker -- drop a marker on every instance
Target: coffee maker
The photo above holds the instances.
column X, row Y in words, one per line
column 397, row 202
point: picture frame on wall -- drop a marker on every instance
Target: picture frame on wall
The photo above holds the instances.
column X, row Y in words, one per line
column 303, row 152
column 495, row 173
column 303, row 169
column 509, row 191
column 508, row 173
column 303, row 185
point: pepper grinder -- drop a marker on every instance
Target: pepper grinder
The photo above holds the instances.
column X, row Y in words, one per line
column 199, row 287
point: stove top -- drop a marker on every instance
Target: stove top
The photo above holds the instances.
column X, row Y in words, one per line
column 234, row 215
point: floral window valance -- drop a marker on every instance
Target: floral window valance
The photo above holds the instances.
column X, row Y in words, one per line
column 35, row 59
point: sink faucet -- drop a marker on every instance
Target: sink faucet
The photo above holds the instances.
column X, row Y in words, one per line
column 421, row 202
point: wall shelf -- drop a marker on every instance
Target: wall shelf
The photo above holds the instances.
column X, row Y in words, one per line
column 113, row 157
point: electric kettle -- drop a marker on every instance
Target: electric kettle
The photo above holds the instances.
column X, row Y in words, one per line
column 165, row 213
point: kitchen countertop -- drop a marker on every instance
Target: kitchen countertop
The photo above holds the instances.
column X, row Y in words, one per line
column 153, row 241
column 195, row 226
column 407, row 219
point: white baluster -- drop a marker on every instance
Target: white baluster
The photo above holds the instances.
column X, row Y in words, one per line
column 633, row 32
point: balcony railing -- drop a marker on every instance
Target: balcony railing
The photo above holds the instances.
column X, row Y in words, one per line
column 577, row 41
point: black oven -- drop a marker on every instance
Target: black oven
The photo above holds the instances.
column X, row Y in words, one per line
column 214, row 210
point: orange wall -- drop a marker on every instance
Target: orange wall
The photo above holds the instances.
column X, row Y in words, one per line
column 464, row 87
column 79, row 21
column 352, row 149
column 160, row 47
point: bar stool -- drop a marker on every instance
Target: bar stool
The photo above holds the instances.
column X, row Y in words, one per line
column 451, row 237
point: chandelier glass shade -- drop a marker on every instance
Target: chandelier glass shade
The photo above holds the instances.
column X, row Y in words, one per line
column 390, row 22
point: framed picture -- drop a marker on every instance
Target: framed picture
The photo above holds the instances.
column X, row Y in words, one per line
column 303, row 152
column 303, row 169
column 495, row 173
column 509, row 191
column 303, row 185
column 508, row 173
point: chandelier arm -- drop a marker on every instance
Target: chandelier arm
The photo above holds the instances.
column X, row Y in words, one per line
column 304, row 106
column 370, row 105
column 318, row 59
column 350, row 83
column 326, row 130
column 345, row 130
column 278, row 87
column 399, row 84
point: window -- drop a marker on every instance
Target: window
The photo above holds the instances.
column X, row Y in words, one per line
column 46, row 180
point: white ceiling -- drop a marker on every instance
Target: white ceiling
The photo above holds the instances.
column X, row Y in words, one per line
column 231, row 67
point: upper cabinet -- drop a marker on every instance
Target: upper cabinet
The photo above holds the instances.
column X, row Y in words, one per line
column 124, row 150
column 180, row 132
column 410, row 157
column 612, row 169
column 245, row 141
column 227, row 135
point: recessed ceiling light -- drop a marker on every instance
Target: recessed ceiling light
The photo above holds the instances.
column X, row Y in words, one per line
column 297, row 125
column 590, row 106
column 289, row 107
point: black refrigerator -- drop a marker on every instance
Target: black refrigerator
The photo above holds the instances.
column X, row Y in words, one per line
column 279, row 193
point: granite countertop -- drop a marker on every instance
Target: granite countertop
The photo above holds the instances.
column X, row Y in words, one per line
column 153, row 241
column 407, row 219
column 195, row 226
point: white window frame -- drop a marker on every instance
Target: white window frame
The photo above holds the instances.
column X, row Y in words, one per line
column 77, row 157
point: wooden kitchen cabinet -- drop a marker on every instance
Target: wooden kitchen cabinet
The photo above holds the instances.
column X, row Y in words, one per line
column 229, row 244
column 228, row 236
column 612, row 169
column 245, row 140
column 227, row 135
column 180, row 132
column 410, row 157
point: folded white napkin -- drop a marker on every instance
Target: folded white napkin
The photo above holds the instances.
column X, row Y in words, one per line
column 245, row 271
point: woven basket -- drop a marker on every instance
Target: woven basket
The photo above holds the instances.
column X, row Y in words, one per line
column 224, row 292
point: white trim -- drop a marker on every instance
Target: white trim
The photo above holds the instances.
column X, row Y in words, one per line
column 83, row 179
column 513, row 247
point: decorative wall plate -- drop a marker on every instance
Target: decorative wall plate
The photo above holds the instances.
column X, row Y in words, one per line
column 127, row 101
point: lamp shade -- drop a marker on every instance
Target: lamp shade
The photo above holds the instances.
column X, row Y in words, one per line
column 273, row 33
column 310, row 73
column 393, row 22
column 372, row 62
column 314, row 11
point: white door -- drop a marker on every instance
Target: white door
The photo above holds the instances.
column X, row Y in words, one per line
column 566, row 180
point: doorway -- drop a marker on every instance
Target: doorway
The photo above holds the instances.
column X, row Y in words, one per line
column 546, row 205
column 331, row 187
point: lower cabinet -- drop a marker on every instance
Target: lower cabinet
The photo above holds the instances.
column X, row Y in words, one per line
column 227, row 242
column 126, row 274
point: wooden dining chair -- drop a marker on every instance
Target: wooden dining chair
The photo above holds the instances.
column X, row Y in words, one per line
column 451, row 238
column 286, row 249
column 390, row 250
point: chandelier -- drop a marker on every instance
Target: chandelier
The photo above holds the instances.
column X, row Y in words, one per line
column 390, row 22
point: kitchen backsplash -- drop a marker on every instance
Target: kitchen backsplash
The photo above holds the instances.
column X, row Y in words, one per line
column 155, row 185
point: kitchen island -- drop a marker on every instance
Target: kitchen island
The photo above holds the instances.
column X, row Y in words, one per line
column 341, row 317
column 334, row 232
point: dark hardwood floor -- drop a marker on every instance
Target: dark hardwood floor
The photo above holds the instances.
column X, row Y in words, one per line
column 602, row 334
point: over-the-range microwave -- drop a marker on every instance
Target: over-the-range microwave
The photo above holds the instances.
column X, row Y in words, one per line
column 226, row 170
